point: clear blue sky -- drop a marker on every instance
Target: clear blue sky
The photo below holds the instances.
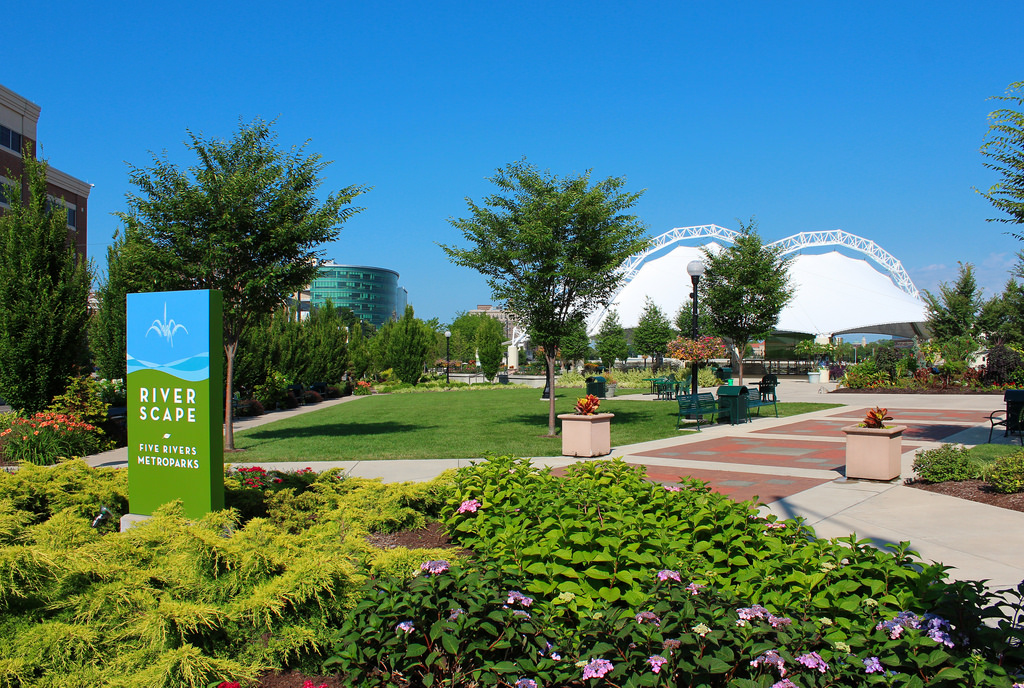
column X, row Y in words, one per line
column 808, row 115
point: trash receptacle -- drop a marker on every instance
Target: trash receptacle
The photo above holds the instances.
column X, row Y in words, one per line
column 597, row 386
column 502, row 379
column 723, row 373
column 732, row 403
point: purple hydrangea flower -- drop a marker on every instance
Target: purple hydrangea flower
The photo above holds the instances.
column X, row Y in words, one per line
column 671, row 644
column 873, row 666
column 435, row 567
column 784, row 683
column 773, row 659
column 516, row 597
column 469, row 506
column 526, row 683
column 673, row 488
column 812, row 660
column 456, row 613
column 694, row 588
column 668, row 574
column 597, row 668
column 648, row 618
column 405, row 626
column 656, row 662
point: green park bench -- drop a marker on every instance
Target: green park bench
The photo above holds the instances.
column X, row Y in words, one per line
column 704, row 404
column 766, row 395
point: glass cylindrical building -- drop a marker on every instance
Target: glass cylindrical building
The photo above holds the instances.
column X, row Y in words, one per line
column 371, row 293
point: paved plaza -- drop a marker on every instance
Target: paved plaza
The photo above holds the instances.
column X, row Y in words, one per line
column 794, row 467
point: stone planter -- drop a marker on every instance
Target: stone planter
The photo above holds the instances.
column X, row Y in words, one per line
column 814, row 377
column 873, row 453
column 609, row 390
column 586, row 435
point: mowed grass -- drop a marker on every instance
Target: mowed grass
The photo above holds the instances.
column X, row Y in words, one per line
column 455, row 424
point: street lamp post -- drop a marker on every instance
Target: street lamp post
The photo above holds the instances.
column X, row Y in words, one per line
column 447, row 356
column 695, row 269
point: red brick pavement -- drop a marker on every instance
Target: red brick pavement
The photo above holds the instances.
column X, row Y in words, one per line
column 833, row 428
column 970, row 417
column 794, row 453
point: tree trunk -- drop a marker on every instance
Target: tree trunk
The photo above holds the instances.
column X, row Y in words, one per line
column 551, row 392
column 229, row 428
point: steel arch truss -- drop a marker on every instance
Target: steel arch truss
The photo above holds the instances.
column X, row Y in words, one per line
column 838, row 237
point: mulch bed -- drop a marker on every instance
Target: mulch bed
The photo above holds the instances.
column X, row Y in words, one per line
column 974, row 490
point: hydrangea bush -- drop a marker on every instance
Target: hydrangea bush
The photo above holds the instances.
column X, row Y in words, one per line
column 602, row 578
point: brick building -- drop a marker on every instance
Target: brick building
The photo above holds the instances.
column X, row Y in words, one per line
column 18, row 120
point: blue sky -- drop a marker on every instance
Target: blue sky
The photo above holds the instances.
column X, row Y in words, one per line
column 865, row 117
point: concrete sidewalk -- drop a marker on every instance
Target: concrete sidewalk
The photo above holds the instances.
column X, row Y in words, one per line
column 978, row 541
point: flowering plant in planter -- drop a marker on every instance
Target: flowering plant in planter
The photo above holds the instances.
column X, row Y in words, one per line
column 876, row 418
column 587, row 406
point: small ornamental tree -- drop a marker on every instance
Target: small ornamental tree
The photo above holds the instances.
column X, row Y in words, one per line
column 744, row 289
column 44, row 295
column 244, row 219
column 652, row 333
column 550, row 249
column 954, row 311
column 611, row 340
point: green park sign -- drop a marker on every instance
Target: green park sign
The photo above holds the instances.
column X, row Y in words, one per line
column 175, row 401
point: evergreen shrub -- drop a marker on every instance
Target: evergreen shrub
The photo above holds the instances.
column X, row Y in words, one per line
column 948, row 462
column 1007, row 474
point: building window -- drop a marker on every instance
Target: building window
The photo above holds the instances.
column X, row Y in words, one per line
column 71, row 218
column 10, row 139
column 6, row 191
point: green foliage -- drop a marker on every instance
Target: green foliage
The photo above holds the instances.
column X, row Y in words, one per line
column 562, row 578
column 948, row 462
column 1004, row 148
column 45, row 286
column 652, row 332
column 408, row 347
column 107, row 330
column 744, row 288
column 82, row 400
column 611, row 341
column 864, row 375
column 954, row 312
column 184, row 602
column 47, row 437
column 706, row 377
column 575, row 346
column 550, row 248
column 246, row 219
column 1002, row 363
column 1007, row 474
column 489, row 336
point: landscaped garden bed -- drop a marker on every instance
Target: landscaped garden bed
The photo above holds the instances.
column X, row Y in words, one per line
column 600, row 578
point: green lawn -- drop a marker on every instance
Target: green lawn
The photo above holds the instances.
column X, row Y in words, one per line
column 457, row 424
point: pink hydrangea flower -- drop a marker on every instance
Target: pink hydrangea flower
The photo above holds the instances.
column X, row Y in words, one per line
column 656, row 662
column 667, row 574
column 812, row 660
column 469, row 506
column 435, row 567
column 597, row 668
column 773, row 659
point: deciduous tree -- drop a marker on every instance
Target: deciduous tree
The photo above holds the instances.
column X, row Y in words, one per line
column 244, row 219
column 744, row 289
column 1004, row 148
column 44, row 295
column 550, row 249
column 489, row 336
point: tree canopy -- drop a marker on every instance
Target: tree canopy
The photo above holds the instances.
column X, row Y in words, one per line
column 244, row 219
column 44, row 295
column 1004, row 148
column 954, row 311
column 611, row 340
column 652, row 333
column 744, row 289
column 550, row 248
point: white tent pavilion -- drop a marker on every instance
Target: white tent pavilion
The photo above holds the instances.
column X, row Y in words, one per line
column 835, row 293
